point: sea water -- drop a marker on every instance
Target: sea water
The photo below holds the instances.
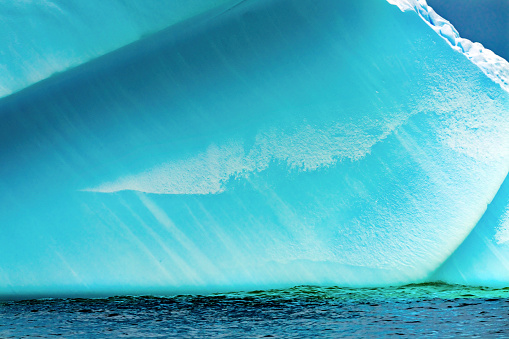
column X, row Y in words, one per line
column 423, row 310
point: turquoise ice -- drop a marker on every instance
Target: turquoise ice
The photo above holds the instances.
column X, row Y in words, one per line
column 250, row 145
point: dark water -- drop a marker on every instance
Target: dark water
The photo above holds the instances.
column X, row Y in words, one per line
column 438, row 310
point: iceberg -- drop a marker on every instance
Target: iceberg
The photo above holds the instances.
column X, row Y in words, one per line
column 41, row 38
column 237, row 145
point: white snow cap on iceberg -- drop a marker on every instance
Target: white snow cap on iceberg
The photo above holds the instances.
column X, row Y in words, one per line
column 495, row 67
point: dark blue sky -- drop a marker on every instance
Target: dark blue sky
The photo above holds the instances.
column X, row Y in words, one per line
column 484, row 21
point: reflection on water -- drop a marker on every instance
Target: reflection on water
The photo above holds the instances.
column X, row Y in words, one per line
column 439, row 310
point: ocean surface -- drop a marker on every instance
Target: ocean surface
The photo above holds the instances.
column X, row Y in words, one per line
column 424, row 310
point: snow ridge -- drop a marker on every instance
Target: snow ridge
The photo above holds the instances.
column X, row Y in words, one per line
column 495, row 67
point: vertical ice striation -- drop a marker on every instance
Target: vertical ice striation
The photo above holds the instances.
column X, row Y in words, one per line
column 502, row 235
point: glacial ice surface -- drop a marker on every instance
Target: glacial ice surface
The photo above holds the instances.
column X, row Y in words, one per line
column 41, row 38
column 259, row 144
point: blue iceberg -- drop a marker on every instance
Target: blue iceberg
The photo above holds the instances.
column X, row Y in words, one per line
column 236, row 145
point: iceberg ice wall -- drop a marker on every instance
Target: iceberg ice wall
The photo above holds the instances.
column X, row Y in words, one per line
column 40, row 38
column 483, row 258
column 268, row 144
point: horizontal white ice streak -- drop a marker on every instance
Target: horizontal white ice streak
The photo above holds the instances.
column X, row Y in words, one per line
column 495, row 67
column 482, row 137
column 306, row 148
column 204, row 173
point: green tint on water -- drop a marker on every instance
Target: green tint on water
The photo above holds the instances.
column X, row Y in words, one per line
column 432, row 309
